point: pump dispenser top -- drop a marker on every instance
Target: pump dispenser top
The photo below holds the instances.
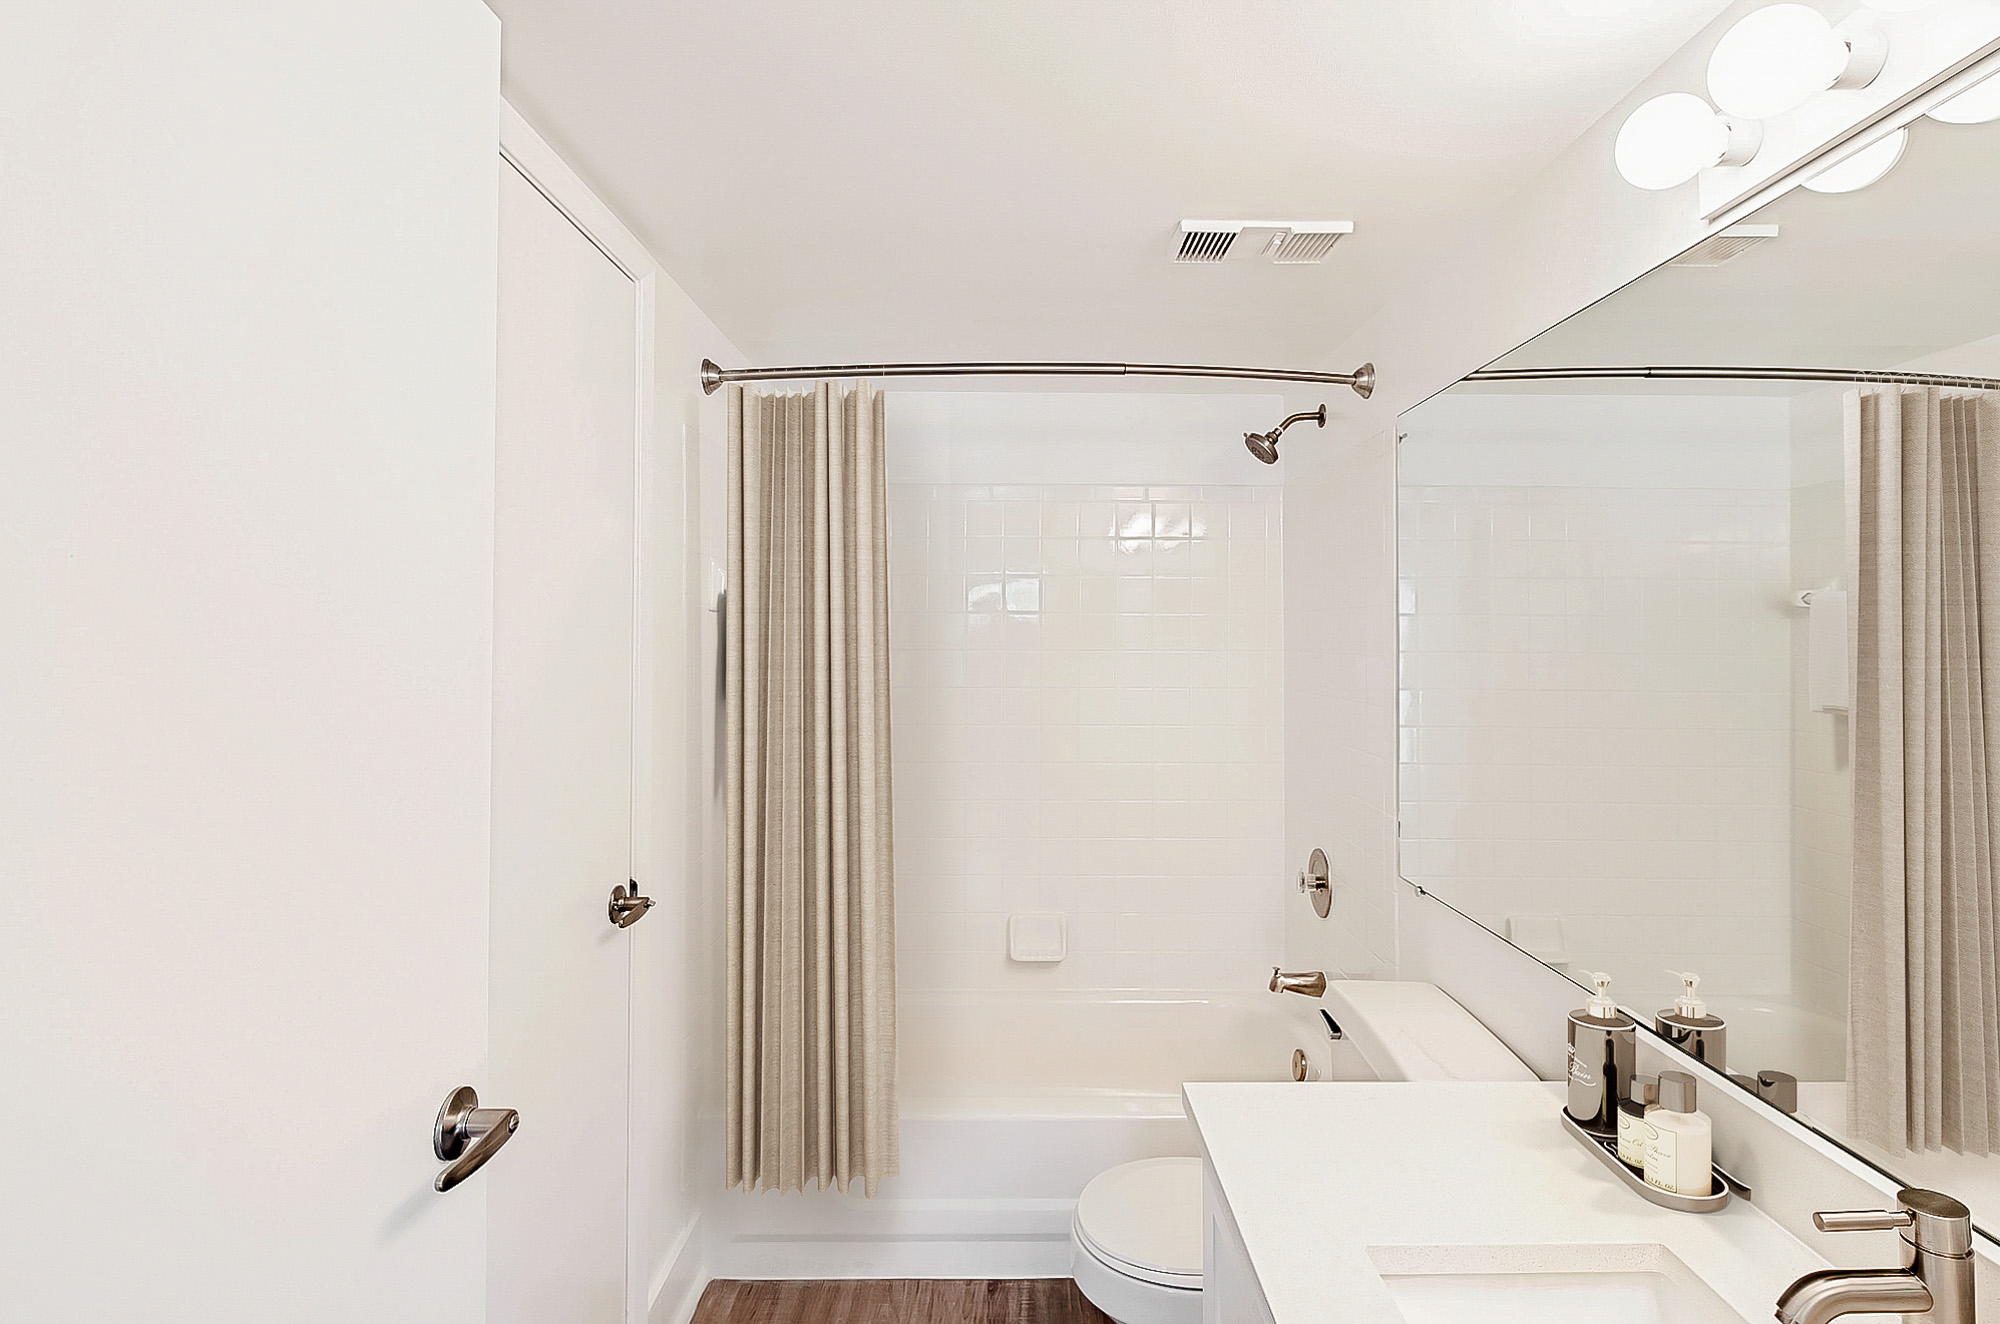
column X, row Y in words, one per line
column 1688, row 1026
column 1601, row 1004
column 1688, row 1004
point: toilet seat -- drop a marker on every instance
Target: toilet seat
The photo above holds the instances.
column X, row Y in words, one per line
column 1143, row 1221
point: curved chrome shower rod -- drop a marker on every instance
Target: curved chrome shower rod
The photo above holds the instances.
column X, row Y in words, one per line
column 1361, row 381
column 1710, row 374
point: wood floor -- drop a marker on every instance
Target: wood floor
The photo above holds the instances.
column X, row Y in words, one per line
column 898, row 1301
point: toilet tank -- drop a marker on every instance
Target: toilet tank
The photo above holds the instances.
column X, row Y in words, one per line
column 1411, row 1031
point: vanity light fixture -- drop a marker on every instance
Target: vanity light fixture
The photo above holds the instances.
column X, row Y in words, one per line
column 1672, row 138
column 1776, row 57
column 1863, row 168
column 1978, row 104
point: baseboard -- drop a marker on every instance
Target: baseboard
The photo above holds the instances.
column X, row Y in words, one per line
column 677, row 1282
column 899, row 1239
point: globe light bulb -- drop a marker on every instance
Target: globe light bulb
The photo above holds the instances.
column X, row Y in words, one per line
column 1775, row 58
column 1672, row 138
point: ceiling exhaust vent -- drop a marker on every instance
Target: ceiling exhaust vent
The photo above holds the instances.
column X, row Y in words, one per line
column 1725, row 244
column 1288, row 243
column 1206, row 241
column 1306, row 242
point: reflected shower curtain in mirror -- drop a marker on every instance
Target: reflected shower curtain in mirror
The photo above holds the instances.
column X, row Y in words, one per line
column 811, row 871
column 1923, row 493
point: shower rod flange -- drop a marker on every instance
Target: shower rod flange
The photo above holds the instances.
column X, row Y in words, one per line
column 713, row 375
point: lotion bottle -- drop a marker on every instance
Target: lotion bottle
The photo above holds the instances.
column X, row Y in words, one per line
column 1602, row 1043
column 1679, row 1139
column 1632, row 1121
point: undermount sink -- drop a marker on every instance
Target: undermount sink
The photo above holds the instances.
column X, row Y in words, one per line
column 1633, row 1284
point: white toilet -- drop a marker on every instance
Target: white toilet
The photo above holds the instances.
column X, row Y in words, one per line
column 1135, row 1241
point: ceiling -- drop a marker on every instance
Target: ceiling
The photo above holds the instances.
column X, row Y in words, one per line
column 1898, row 274
column 923, row 179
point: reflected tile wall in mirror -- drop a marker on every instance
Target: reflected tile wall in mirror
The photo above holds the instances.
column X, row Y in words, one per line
column 1611, row 753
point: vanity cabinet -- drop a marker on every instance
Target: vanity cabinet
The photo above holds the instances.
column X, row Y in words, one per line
column 1230, row 1292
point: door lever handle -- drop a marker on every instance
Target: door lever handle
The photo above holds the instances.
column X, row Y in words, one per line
column 627, row 906
column 466, row 1135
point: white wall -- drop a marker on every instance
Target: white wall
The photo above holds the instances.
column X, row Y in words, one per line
column 1595, row 700
column 1573, row 234
column 677, row 978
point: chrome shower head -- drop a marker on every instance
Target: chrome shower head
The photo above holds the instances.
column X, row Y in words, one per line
column 1264, row 445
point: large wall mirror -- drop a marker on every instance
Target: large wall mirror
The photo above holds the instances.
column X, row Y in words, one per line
column 1700, row 671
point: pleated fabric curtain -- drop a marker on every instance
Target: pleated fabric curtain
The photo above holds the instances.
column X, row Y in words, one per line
column 811, row 868
column 1923, row 492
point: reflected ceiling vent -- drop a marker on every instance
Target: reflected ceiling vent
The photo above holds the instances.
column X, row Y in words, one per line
column 1286, row 243
column 1725, row 244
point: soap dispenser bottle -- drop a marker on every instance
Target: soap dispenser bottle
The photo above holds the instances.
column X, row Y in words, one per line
column 1679, row 1139
column 1688, row 1026
column 1602, row 1042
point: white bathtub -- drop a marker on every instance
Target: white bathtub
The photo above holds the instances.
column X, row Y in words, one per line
column 1094, row 1055
column 1011, row 1102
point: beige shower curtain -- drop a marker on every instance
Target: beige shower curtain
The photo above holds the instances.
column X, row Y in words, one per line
column 1923, row 492
column 811, row 870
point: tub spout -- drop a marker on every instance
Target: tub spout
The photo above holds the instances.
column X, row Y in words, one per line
column 1312, row 983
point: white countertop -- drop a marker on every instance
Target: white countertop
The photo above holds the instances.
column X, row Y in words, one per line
column 1318, row 1175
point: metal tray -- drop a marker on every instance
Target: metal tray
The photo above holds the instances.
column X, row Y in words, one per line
column 1606, row 1149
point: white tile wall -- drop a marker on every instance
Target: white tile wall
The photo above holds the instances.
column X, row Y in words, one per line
column 1822, row 773
column 1087, row 701
column 1595, row 719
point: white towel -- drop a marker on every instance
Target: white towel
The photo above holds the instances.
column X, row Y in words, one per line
column 1826, row 650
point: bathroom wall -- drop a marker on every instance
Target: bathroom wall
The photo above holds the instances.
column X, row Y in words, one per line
column 677, row 968
column 1595, row 698
column 1085, row 610
column 1571, row 234
column 1340, row 705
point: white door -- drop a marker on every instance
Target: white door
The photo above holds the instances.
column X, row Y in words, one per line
column 562, row 765
column 246, row 468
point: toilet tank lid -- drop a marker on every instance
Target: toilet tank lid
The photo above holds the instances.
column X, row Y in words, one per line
column 1413, row 1031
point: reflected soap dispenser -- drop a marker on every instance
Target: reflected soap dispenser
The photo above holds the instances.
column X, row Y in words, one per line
column 1602, row 1043
column 1688, row 1026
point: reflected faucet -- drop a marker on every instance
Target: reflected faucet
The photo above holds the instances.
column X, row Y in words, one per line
column 1935, row 1286
column 1312, row 983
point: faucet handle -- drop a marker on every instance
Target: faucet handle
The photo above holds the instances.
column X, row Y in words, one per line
column 1863, row 1220
column 1940, row 1225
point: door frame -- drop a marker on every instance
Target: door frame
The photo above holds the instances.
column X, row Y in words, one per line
column 522, row 148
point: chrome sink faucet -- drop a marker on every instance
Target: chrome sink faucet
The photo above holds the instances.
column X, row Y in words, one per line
column 1934, row 1287
column 1312, row 983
